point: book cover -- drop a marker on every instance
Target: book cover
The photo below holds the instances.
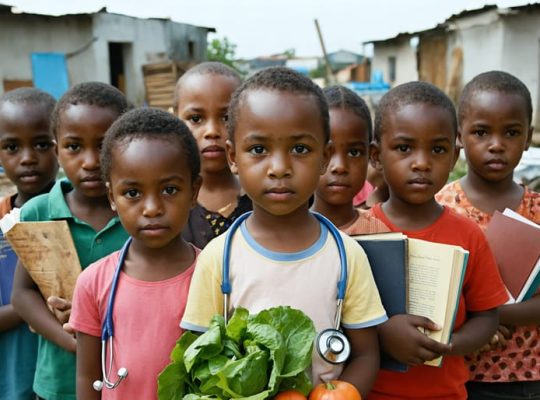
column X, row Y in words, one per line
column 8, row 261
column 388, row 260
column 516, row 247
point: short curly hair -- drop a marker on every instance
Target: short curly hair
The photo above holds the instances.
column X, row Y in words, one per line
column 338, row 96
column 32, row 96
column 92, row 94
column 205, row 68
column 149, row 123
column 415, row 92
column 493, row 81
column 279, row 79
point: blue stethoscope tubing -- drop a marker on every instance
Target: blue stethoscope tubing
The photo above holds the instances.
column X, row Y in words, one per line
column 107, row 329
column 327, row 337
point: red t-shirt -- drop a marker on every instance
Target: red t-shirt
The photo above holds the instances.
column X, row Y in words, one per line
column 482, row 290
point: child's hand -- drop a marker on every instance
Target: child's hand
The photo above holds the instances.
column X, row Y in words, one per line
column 401, row 337
column 60, row 307
column 499, row 339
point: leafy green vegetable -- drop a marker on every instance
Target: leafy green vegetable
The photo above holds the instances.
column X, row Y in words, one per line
column 252, row 358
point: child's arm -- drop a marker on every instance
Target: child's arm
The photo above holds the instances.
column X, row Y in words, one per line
column 9, row 318
column 521, row 314
column 29, row 303
column 88, row 366
column 401, row 338
column 363, row 365
column 475, row 332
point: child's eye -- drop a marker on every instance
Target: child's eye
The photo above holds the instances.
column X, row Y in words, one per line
column 11, row 147
column 300, row 149
column 480, row 132
column 512, row 133
column 42, row 146
column 439, row 150
column 257, row 150
column 131, row 193
column 73, row 147
column 225, row 118
column 170, row 190
column 403, row 148
column 354, row 153
column 195, row 118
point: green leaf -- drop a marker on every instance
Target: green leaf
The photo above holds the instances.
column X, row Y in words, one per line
column 181, row 346
column 245, row 377
column 172, row 380
column 237, row 325
column 298, row 333
column 299, row 382
column 207, row 345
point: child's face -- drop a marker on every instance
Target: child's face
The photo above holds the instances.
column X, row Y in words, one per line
column 153, row 203
column 202, row 105
column 279, row 149
column 347, row 168
column 80, row 135
column 27, row 148
column 494, row 133
column 416, row 152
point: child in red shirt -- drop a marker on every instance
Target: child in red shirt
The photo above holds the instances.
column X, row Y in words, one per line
column 414, row 147
column 495, row 113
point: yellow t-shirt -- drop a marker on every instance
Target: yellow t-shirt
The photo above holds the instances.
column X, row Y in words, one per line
column 306, row 280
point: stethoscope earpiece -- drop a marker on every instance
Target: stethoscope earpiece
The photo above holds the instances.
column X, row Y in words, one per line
column 333, row 346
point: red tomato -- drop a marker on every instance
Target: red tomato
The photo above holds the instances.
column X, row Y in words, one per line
column 335, row 390
column 290, row 395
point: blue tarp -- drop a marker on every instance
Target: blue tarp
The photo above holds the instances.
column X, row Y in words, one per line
column 50, row 73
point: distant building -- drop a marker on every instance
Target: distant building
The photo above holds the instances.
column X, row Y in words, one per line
column 98, row 47
column 343, row 58
column 466, row 44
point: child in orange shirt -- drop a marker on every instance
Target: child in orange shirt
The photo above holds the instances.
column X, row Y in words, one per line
column 350, row 135
column 495, row 113
column 415, row 147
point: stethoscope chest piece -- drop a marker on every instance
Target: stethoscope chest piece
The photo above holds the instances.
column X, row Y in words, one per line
column 333, row 346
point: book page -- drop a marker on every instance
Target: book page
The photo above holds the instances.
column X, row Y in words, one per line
column 430, row 271
column 47, row 251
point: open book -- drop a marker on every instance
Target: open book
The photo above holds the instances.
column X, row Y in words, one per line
column 47, row 251
column 515, row 243
column 433, row 275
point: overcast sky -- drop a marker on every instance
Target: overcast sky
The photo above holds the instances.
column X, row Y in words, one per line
column 262, row 27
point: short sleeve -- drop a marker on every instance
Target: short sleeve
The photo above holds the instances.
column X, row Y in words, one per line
column 483, row 287
column 362, row 306
column 205, row 298
column 85, row 316
column 29, row 211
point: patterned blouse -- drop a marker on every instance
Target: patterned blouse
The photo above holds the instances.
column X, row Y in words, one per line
column 520, row 360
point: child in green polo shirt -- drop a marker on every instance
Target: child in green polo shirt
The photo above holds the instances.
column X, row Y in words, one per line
column 79, row 122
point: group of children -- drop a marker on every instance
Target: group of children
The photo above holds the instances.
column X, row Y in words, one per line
column 161, row 187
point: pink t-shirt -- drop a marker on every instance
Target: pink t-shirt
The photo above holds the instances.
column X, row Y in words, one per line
column 146, row 320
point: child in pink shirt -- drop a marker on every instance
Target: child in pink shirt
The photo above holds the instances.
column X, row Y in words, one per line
column 151, row 165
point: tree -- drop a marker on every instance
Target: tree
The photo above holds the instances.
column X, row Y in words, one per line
column 222, row 50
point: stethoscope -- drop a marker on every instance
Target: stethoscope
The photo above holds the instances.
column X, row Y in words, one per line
column 332, row 345
column 107, row 332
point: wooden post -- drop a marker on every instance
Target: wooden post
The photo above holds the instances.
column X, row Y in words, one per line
column 331, row 79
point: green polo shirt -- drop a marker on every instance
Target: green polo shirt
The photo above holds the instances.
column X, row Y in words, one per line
column 55, row 368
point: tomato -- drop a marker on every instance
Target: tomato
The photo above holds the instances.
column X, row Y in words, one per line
column 335, row 390
column 290, row 395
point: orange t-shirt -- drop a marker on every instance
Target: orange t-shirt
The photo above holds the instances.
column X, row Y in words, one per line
column 482, row 290
column 520, row 360
column 364, row 224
